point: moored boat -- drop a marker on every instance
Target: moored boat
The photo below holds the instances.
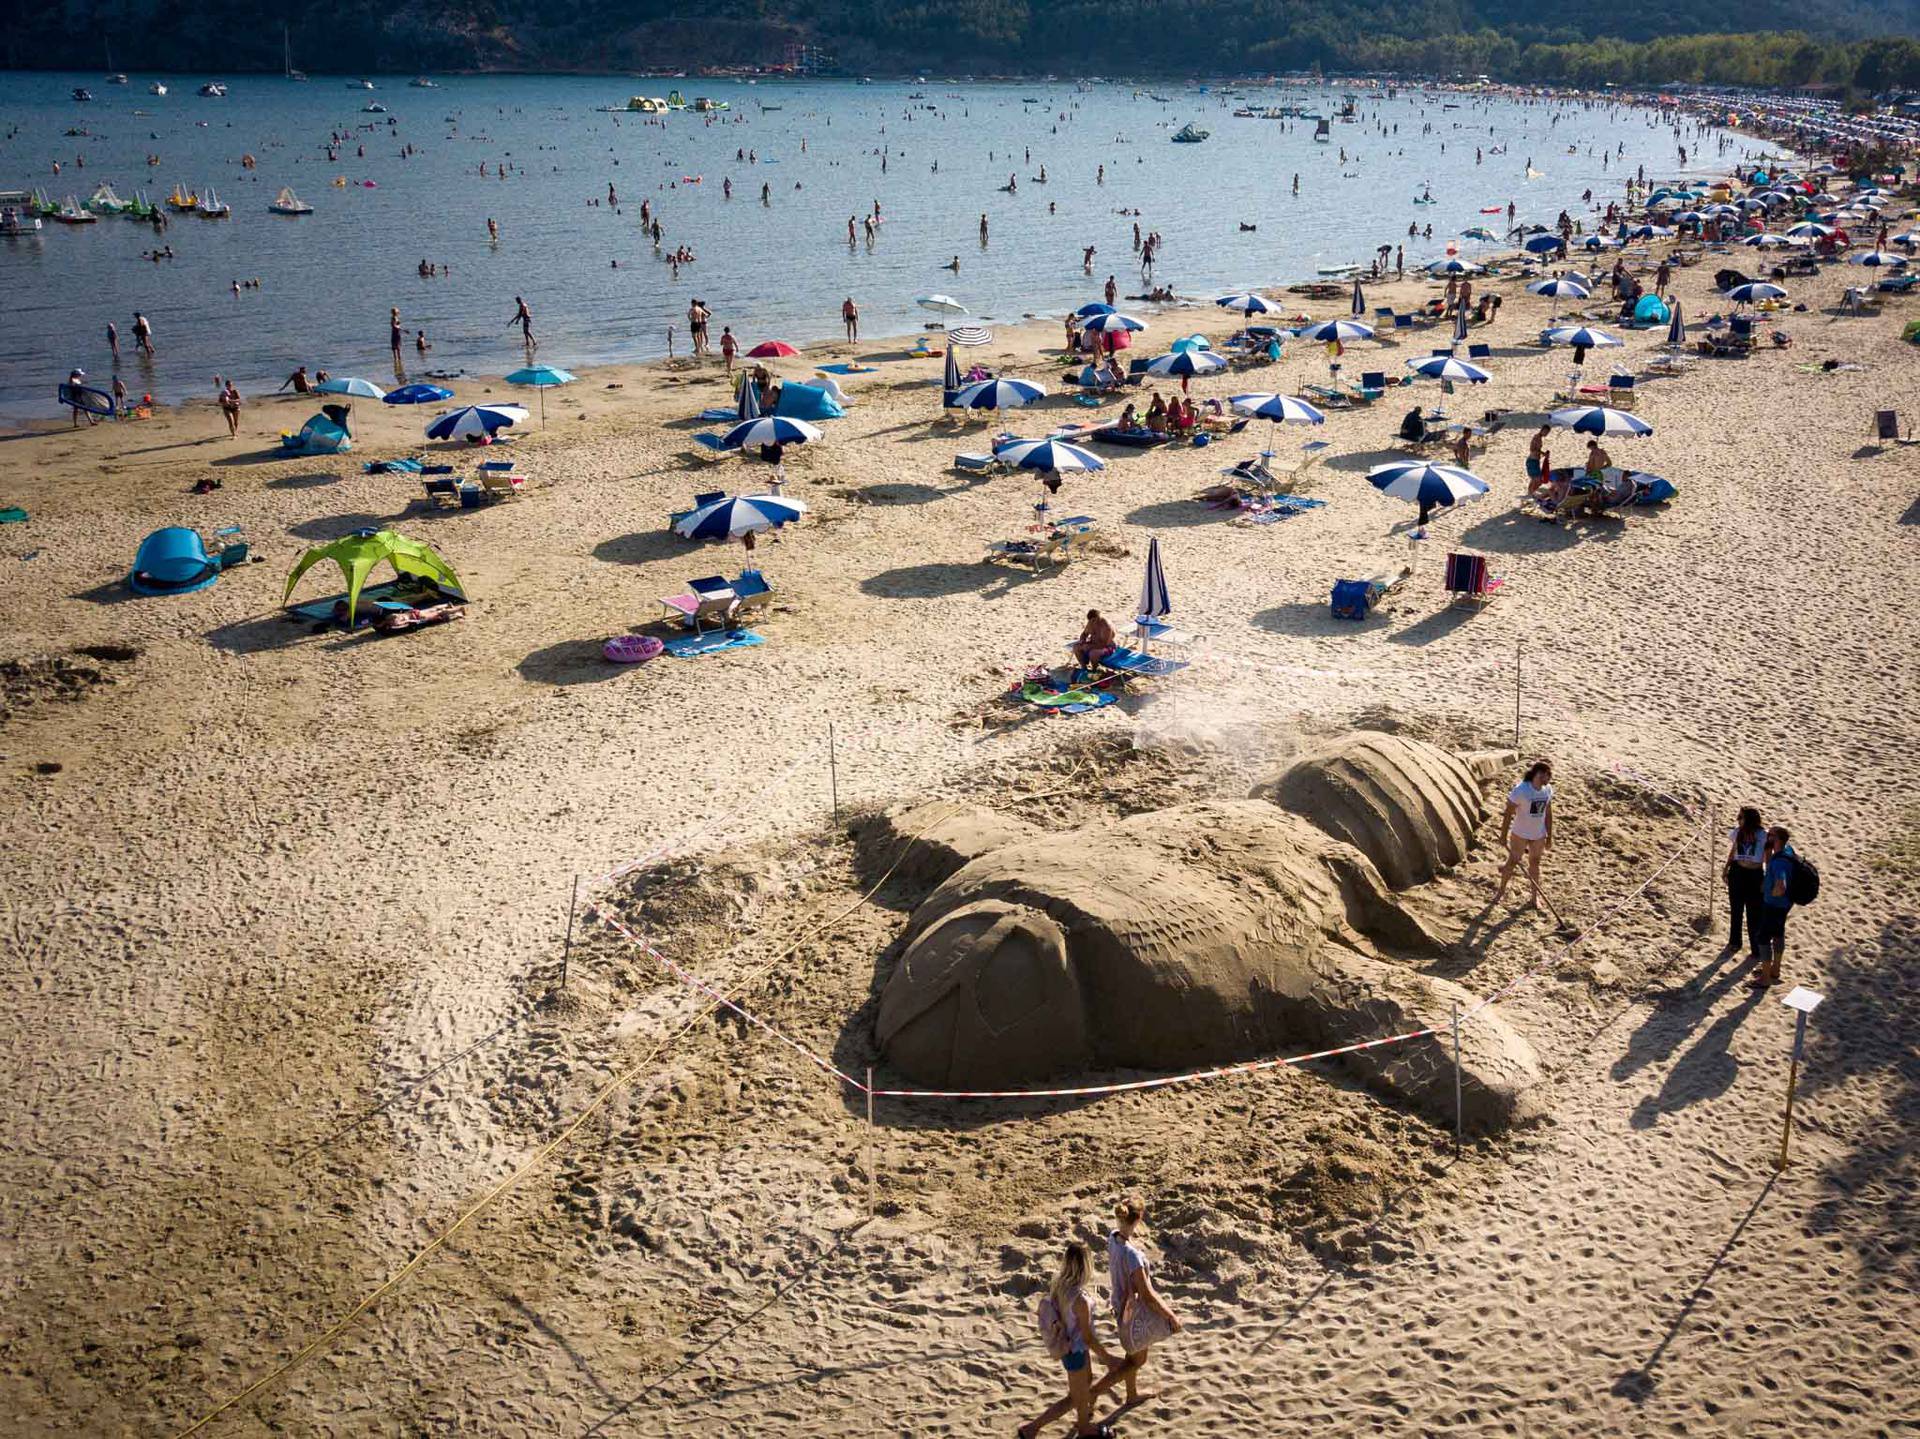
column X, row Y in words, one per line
column 213, row 90
column 212, row 207
column 182, row 199
column 1190, row 134
column 13, row 224
column 156, row 88
column 70, row 213
column 82, row 93
column 104, row 202
column 288, row 203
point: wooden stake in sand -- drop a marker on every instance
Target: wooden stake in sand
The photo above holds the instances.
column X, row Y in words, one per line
column 566, row 953
column 873, row 1202
column 1802, row 1001
column 1456, row 1079
column 1516, row 693
column 833, row 773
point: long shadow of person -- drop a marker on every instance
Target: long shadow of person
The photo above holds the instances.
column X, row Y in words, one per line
column 1706, row 1071
column 1674, row 1015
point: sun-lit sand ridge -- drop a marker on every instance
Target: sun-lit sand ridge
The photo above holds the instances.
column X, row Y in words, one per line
column 281, row 918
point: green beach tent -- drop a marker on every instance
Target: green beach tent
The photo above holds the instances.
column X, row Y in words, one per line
column 360, row 551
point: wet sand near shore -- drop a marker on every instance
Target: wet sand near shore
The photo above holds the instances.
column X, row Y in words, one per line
column 285, row 912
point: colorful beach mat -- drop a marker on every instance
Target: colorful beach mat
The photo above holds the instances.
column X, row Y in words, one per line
column 1067, row 702
column 691, row 647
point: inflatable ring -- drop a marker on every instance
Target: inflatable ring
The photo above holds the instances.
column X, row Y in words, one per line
column 631, row 649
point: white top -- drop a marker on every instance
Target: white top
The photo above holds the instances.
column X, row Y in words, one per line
column 1753, row 852
column 1530, row 810
column 1070, row 1320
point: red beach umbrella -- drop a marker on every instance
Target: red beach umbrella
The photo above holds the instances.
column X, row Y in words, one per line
column 771, row 350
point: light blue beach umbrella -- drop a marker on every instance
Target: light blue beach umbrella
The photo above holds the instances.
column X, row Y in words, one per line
column 1055, row 455
column 1341, row 330
column 542, row 378
column 1599, row 420
column 1754, row 293
column 1087, row 312
column 352, row 386
column 1446, row 367
column 471, row 421
column 1544, row 243
column 1190, row 342
column 739, row 515
column 998, row 395
column 770, row 430
column 1281, row 409
column 1420, row 483
column 1155, row 602
column 1248, row 304
column 417, row 395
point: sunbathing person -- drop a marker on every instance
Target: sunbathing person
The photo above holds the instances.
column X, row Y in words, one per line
column 1096, row 641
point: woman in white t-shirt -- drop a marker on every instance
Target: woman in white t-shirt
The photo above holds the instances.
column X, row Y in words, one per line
column 1526, row 825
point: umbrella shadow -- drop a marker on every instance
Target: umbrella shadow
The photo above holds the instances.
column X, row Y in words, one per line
column 334, row 527
column 1438, row 625
column 894, row 494
column 936, row 581
column 1515, row 532
column 311, row 481
column 256, row 457
column 1361, row 461
column 272, row 631
column 641, row 546
column 112, row 592
column 570, row 662
column 1176, row 514
column 1309, row 618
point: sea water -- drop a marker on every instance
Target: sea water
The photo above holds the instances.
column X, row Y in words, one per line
column 934, row 156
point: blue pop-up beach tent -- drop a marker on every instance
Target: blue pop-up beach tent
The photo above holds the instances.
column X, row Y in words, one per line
column 807, row 402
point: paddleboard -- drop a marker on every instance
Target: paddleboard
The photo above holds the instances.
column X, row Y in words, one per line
column 87, row 400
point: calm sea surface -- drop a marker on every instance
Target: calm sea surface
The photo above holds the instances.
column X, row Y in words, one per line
column 773, row 269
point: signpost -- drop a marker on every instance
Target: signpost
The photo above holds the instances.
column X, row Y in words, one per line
column 1802, row 1001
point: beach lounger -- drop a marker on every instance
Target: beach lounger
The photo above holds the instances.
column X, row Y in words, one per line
column 444, row 493
column 711, row 447
column 1897, row 285
column 754, row 593
column 1330, row 398
column 1356, row 599
column 719, row 413
column 1620, row 392
column 714, row 601
column 1372, row 386
column 1479, row 351
column 1886, row 426
column 1470, row 581
column 1132, row 664
column 974, row 463
column 497, row 486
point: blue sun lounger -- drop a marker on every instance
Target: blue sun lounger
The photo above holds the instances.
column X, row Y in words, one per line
column 1135, row 665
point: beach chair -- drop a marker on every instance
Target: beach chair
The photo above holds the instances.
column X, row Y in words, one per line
column 1620, row 392
column 1479, row 350
column 710, row 447
column 495, row 485
column 1356, row 599
column 1373, row 386
column 700, row 502
column 974, row 463
column 443, row 493
column 754, row 593
column 1469, row 580
column 713, row 602
column 1133, row 664
column 1886, row 427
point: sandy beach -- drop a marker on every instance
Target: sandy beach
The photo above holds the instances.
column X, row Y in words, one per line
column 287, row 910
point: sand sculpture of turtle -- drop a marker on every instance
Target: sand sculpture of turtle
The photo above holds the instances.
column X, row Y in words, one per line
column 1204, row 933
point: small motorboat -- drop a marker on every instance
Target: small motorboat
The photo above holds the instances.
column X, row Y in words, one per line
column 1190, row 134
column 13, row 224
column 156, row 88
column 213, row 90
column 288, row 203
column 212, row 207
column 80, row 92
column 70, row 213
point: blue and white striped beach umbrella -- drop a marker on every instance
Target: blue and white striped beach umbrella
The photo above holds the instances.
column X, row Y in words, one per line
column 1755, row 292
column 1155, row 602
column 1767, row 240
column 1598, row 242
column 1281, row 409
column 1113, row 321
column 770, row 430
column 1582, row 335
column 472, row 420
column 1055, row 455
column 1809, row 230
column 1420, row 483
column 969, row 335
column 352, row 386
column 1186, row 364
column 1087, row 312
column 998, row 395
column 1560, row 287
column 1598, row 420
column 1453, row 265
column 1248, row 304
column 738, row 515
column 1341, row 330
column 1676, row 327
column 1877, row 259
column 1446, row 367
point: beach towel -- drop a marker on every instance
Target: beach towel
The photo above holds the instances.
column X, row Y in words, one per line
column 13, row 515
column 1068, row 701
column 393, row 467
column 849, row 369
column 691, row 647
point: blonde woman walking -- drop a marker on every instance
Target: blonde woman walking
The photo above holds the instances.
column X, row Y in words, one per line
column 1066, row 1323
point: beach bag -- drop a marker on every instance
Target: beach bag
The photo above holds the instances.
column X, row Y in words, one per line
column 1352, row 599
column 1803, row 883
column 1140, row 1326
column 1053, row 1327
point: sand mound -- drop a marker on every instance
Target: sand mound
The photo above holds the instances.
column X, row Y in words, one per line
column 1407, row 805
column 1191, row 935
column 36, row 679
column 927, row 842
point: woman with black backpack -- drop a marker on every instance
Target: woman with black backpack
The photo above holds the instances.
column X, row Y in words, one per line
column 1776, row 898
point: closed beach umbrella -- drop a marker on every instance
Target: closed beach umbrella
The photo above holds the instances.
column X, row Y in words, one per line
column 951, row 379
column 747, row 406
column 1598, row 420
column 1581, row 337
column 1248, row 304
column 470, row 421
column 1459, row 324
column 1155, row 602
column 771, row 350
column 1111, row 321
column 1453, row 265
column 998, row 395
column 1359, row 306
column 542, row 378
column 1446, row 367
column 1755, row 292
column 1341, row 330
column 1047, row 455
column 770, row 430
column 352, row 386
column 1877, row 259
column 941, row 304
column 1281, row 409
column 739, row 515
column 417, row 395
column 969, row 335
column 1429, row 486
column 1676, row 328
